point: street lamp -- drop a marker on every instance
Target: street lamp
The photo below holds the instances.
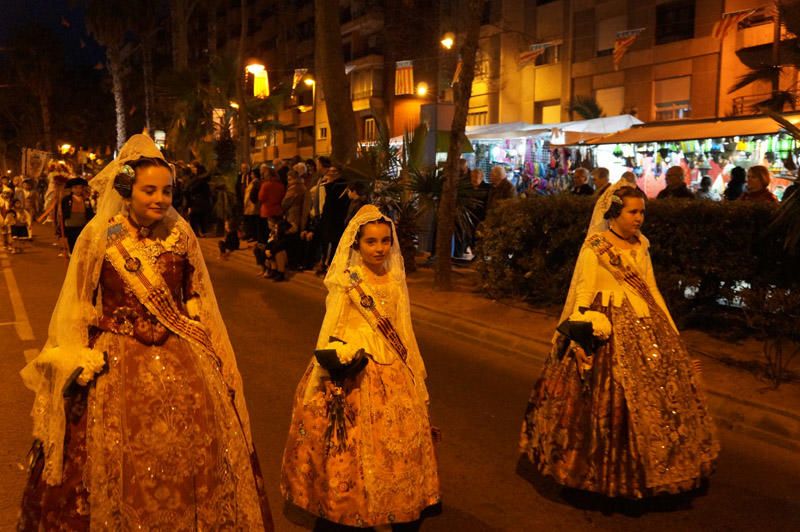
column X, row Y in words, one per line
column 255, row 68
column 65, row 148
column 422, row 89
column 448, row 39
column 310, row 82
column 233, row 104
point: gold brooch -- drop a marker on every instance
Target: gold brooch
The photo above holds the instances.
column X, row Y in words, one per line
column 132, row 264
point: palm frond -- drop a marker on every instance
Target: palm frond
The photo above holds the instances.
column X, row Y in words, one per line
column 763, row 73
column 790, row 15
column 587, row 107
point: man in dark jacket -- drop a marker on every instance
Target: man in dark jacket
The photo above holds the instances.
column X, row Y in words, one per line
column 676, row 186
column 501, row 188
column 334, row 213
column 580, row 183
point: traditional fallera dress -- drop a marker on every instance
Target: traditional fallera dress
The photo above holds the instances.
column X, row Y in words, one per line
column 636, row 423
column 156, row 435
column 383, row 469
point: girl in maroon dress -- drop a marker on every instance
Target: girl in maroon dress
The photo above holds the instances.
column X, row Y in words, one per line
column 139, row 415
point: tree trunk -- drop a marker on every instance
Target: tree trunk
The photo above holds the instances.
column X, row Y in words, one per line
column 211, row 9
column 333, row 81
column 243, row 124
column 147, row 79
column 47, row 129
column 179, row 10
column 462, row 90
column 115, row 68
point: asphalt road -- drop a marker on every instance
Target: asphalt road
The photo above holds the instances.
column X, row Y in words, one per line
column 478, row 397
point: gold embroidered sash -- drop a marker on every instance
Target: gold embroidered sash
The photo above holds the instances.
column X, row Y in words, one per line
column 624, row 273
column 365, row 303
column 150, row 288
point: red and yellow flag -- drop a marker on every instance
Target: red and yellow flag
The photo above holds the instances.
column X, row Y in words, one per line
column 624, row 40
column 404, row 78
column 529, row 56
column 729, row 21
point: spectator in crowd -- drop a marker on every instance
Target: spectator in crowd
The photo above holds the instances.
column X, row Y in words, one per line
column 18, row 222
column 630, row 177
column 480, row 196
column 231, row 241
column 333, row 214
column 76, row 210
column 705, row 191
column 283, row 174
column 199, row 199
column 676, row 185
column 311, row 237
column 501, row 188
column 580, row 183
column 250, row 209
column 277, row 258
column 736, row 184
column 302, row 171
column 270, row 196
column 357, row 193
column 311, row 173
column 600, row 179
column 295, row 210
column 242, row 180
column 758, row 179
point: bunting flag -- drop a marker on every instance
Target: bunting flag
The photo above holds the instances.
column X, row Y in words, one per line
column 729, row 21
column 99, row 66
column 457, row 72
column 624, row 40
column 529, row 57
column 404, row 78
column 299, row 74
column 65, row 22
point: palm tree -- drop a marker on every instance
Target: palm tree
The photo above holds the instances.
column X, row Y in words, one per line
column 333, row 81
column 586, row 107
column 108, row 21
column 36, row 58
column 462, row 91
column 147, row 26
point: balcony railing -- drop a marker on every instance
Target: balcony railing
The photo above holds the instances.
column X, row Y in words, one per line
column 748, row 105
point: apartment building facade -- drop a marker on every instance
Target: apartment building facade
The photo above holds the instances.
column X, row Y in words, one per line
column 675, row 69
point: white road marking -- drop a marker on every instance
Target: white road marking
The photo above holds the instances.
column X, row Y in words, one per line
column 22, row 324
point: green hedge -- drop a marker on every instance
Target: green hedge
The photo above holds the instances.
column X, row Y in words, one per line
column 701, row 252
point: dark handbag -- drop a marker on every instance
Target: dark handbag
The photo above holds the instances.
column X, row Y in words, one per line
column 339, row 372
column 580, row 332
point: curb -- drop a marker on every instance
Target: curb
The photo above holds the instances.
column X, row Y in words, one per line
column 763, row 422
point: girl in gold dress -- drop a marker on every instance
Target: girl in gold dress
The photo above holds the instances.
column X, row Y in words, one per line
column 622, row 414
column 139, row 415
column 360, row 449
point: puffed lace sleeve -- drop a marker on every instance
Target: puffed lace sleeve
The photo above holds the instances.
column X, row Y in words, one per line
column 585, row 278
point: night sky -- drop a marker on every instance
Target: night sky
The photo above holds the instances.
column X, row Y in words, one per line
column 66, row 22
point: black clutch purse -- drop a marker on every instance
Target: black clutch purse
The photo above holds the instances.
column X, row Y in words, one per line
column 339, row 372
column 580, row 332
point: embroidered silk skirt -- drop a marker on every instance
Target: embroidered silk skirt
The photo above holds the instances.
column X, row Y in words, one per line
column 386, row 474
column 639, row 425
column 153, row 444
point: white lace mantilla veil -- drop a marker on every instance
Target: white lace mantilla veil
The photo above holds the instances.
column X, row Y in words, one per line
column 598, row 224
column 336, row 282
column 77, row 308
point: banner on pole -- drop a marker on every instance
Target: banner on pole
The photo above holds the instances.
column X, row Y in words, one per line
column 33, row 162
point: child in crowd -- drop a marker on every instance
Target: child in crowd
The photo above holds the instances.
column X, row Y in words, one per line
column 231, row 241
column 277, row 258
column 19, row 223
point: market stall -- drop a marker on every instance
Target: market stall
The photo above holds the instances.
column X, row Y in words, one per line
column 709, row 147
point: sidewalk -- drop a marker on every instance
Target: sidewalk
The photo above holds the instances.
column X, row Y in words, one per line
column 738, row 399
